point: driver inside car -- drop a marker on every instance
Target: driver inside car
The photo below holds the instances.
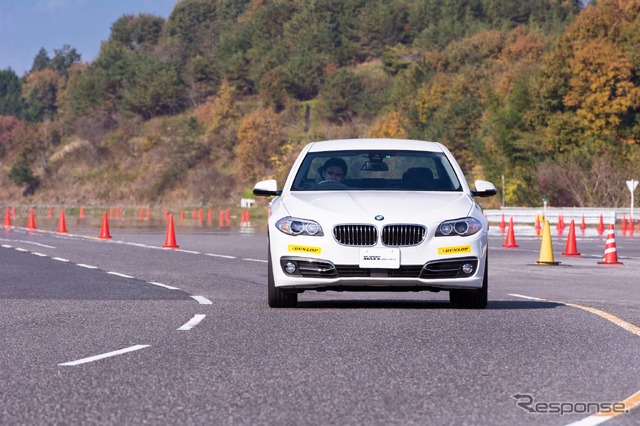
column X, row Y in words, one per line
column 334, row 169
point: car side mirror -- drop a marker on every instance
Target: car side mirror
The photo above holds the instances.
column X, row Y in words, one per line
column 484, row 189
column 266, row 188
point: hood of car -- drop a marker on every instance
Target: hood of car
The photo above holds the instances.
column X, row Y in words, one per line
column 364, row 206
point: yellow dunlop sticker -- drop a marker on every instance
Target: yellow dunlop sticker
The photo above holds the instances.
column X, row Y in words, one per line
column 454, row 250
column 304, row 249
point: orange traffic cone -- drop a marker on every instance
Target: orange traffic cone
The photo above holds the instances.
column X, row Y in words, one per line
column 510, row 242
column 631, row 227
column 228, row 216
column 62, row 224
column 502, row 224
column 583, row 225
column 81, row 216
column 537, row 224
column 570, row 248
column 610, row 252
column 601, row 226
column 209, row 217
column 32, row 220
column 170, row 239
column 104, row 230
column 221, row 219
column 7, row 218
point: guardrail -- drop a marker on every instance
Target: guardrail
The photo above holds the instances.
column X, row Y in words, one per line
column 591, row 215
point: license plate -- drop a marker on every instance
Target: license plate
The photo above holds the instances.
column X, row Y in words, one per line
column 383, row 258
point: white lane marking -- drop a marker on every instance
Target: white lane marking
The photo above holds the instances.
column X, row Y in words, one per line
column 27, row 242
column 192, row 322
column 38, row 254
column 59, row 259
column 82, row 265
column 163, row 285
column 21, row 249
column 7, row 246
column 37, row 244
column 189, row 251
column 105, row 355
column 219, row 255
column 119, row 274
column 524, row 297
column 254, row 260
column 202, row 300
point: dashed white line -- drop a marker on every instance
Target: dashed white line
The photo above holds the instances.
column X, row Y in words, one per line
column 254, row 260
column 38, row 254
column 26, row 242
column 163, row 285
column 189, row 251
column 119, row 274
column 105, row 355
column 82, row 265
column 219, row 255
column 202, row 300
column 7, row 246
column 21, row 249
column 192, row 322
column 60, row 259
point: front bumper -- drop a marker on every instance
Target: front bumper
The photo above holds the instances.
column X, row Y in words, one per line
column 320, row 274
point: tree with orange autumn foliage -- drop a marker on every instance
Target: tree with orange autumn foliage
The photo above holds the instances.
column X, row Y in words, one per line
column 601, row 87
column 392, row 125
column 258, row 139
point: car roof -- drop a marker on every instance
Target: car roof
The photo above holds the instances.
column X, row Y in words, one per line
column 371, row 143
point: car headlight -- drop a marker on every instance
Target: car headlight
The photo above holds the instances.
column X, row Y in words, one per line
column 294, row 226
column 462, row 227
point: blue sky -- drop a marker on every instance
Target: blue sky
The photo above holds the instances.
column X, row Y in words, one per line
column 28, row 25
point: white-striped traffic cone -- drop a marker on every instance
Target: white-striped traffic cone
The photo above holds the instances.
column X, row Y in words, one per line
column 610, row 252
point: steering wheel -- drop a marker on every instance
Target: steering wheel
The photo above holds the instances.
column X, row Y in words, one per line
column 328, row 184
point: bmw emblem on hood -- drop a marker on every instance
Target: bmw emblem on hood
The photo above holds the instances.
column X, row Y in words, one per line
column 379, row 217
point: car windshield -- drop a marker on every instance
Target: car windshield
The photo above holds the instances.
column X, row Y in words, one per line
column 387, row 170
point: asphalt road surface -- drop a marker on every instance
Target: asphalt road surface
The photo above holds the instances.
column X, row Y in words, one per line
column 122, row 331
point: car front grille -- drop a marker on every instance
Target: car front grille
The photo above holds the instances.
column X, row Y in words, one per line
column 403, row 235
column 360, row 235
column 356, row 235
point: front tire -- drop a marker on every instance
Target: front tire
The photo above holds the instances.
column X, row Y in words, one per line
column 278, row 298
column 472, row 299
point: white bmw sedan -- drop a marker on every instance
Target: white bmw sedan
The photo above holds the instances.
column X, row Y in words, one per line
column 376, row 215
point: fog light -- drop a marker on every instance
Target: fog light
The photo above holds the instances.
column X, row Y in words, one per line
column 290, row 267
column 467, row 268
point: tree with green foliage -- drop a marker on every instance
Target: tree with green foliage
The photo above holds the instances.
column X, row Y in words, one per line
column 137, row 32
column 341, row 96
column 63, row 59
column 10, row 94
column 40, row 91
column 41, row 61
column 21, row 174
column 155, row 88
